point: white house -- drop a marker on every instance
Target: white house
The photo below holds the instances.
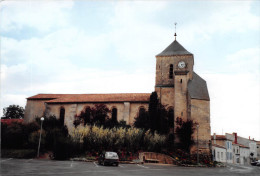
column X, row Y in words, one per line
column 219, row 153
column 223, row 142
column 229, row 151
column 244, row 155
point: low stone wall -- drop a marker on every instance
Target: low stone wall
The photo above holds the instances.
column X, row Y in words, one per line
column 156, row 157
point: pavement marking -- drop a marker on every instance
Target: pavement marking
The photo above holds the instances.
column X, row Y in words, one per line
column 6, row 160
column 95, row 164
column 121, row 166
column 142, row 166
column 71, row 164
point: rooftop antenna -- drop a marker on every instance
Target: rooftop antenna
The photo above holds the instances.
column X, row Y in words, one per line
column 175, row 30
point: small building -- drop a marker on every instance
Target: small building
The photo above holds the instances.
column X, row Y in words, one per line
column 222, row 141
column 244, row 155
column 219, row 153
column 247, row 142
column 258, row 150
column 236, row 153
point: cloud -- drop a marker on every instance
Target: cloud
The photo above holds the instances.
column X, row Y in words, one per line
column 245, row 60
column 40, row 15
column 234, row 103
column 8, row 99
column 220, row 18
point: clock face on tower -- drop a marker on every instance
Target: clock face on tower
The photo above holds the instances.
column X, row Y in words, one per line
column 181, row 64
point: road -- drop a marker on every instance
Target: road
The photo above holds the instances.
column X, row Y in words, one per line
column 34, row 167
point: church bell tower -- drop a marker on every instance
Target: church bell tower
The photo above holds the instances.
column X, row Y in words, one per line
column 174, row 68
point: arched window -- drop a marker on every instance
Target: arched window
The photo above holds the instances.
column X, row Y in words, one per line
column 62, row 115
column 171, row 72
column 114, row 115
column 171, row 117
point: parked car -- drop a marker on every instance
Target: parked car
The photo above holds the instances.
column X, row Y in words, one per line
column 108, row 158
column 255, row 163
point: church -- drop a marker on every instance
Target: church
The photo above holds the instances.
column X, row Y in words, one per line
column 178, row 87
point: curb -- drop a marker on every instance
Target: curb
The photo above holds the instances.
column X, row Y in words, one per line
column 121, row 162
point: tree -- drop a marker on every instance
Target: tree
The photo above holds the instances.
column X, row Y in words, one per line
column 96, row 115
column 142, row 120
column 153, row 110
column 184, row 131
column 156, row 118
column 13, row 112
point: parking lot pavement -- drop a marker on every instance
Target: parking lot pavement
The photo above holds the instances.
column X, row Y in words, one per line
column 34, row 167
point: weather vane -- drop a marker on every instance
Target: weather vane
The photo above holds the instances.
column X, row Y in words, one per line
column 175, row 30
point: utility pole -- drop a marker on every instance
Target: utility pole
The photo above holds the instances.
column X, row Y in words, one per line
column 38, row 153
column 197, row 144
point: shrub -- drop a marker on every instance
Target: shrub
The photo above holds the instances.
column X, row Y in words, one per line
column 95, row 138
column 184, row 131
column 15, row 153
column 63, row 148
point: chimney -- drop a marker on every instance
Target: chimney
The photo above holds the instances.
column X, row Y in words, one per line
column 214, row 138
column 235, row 134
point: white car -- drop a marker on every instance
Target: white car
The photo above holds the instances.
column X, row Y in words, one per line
column 255, row 163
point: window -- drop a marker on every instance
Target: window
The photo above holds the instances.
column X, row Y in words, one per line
column 114, row 115
column 218, row 156
column 171, row 72
column 141, row 111
column 62, row 115
column 227, row 155
column 221, row 155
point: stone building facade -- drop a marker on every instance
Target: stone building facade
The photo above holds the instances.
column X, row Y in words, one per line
column 178, row 87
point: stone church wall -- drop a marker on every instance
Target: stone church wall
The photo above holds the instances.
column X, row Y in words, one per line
column 167, row 95
column 125, row 111
column 33, row 109
column 200, row 113
column 134, row 111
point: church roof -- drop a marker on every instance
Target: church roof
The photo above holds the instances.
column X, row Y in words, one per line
column 92, row 98
column 197, row 88
column 174, row 49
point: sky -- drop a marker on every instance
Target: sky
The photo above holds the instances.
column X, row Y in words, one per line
column 110, row 46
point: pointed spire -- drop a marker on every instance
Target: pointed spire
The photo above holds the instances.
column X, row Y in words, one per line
column 175, row 30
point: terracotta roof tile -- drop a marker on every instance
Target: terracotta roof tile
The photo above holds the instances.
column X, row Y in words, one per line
column 219, row 137
column 72, row 98
column 219, row 146
column 240, row 145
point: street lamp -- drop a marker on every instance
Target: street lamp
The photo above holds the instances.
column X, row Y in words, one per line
column 42, row 119
column 197, row 144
